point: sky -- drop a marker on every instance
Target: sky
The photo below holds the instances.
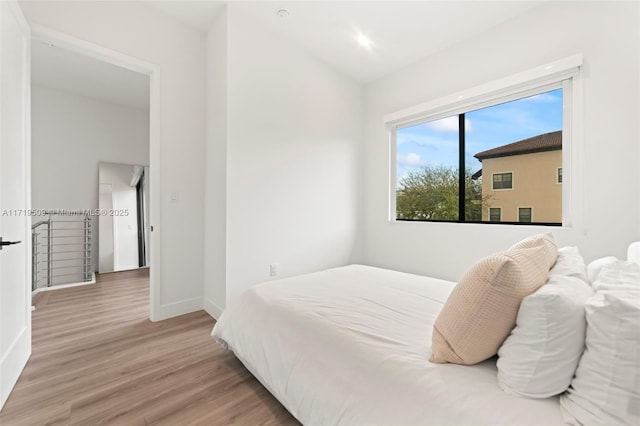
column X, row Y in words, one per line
column 436, row 142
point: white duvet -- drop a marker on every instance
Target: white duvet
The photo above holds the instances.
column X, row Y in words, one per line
column 350, row 346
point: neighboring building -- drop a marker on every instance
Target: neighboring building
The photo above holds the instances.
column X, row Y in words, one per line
column 522, row 181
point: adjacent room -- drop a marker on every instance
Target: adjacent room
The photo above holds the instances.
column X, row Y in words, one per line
column 338, row 212
column 90, row 154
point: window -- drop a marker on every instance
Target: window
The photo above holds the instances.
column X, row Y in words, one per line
column 502, row 180
column 559, row 175
column 454, row 159
column 453, row 169
column 495, row 214
column 524, row 215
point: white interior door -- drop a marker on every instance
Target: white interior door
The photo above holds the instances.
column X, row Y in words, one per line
column 15, row 224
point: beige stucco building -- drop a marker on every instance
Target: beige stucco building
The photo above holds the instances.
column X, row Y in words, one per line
column 522, row 181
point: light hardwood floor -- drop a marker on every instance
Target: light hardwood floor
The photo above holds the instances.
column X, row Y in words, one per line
column 97, row 359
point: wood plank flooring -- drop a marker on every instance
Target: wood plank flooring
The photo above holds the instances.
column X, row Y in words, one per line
column 97, row 359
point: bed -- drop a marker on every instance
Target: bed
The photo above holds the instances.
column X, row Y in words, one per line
column 351, row 346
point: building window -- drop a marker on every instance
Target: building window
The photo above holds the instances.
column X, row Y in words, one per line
column 525, row 215
column 502, row 181
column 495, row 214
column 451, row 155
column 559, row 175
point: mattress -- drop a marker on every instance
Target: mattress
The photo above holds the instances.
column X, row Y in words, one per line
column 350, row 346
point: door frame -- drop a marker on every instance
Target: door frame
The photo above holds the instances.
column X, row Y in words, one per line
column 113, row 57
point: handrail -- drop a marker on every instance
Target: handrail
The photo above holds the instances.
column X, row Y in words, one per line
column 45, row 261
column 37, row 224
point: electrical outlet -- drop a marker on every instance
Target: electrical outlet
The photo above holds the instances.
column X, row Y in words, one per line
column 273, row 269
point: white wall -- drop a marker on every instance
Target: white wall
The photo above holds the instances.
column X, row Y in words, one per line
column 284, row 143
column 608, row 36
column 136, row 30
column 70, row 135
column 294, row 129
column 215, row 240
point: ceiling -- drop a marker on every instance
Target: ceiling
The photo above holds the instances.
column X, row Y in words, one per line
column 61, row 69
column 401, row 32
column 197, row 14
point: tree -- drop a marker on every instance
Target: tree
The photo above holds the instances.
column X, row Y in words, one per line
column 432, row 194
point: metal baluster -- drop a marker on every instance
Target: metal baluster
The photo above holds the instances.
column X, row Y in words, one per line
column 90, row 251
column 49, row 253
column 34, row 260
column 68, row 242
column 87, row 224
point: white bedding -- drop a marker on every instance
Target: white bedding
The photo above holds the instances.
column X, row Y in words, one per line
column 350, row 346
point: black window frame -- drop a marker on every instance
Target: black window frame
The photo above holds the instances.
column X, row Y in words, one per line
column 426, row 113
column 462, row 186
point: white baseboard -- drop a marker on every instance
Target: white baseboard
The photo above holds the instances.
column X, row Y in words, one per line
column 212, row 308
column 59, row 286
column 12, row 361
column 182, row 307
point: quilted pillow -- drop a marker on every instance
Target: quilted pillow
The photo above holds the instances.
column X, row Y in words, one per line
column 481, row 311
column 537, row 240
column 540, row 357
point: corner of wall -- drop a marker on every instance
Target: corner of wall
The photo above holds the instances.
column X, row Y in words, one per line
column 212, row 308
column 215, row 187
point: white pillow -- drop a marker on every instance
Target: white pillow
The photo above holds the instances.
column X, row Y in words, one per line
column 618, row 275
column 606, row 389
column 571, row 263
column 540, row 356
column 594, row 267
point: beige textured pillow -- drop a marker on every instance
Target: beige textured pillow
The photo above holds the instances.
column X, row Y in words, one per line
column 540, row 240
column 482, row 309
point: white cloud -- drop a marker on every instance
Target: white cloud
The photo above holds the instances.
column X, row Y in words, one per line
column 410, row 160
column 449, row 124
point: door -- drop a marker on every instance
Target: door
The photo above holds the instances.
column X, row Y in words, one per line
column 15, row 262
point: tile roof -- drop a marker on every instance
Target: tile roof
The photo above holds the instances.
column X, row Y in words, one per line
column 546, row 142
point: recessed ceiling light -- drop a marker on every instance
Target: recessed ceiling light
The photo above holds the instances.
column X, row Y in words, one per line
column 364, row 41
column 282, row 13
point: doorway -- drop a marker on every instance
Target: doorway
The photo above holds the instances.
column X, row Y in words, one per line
column 75, row 75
